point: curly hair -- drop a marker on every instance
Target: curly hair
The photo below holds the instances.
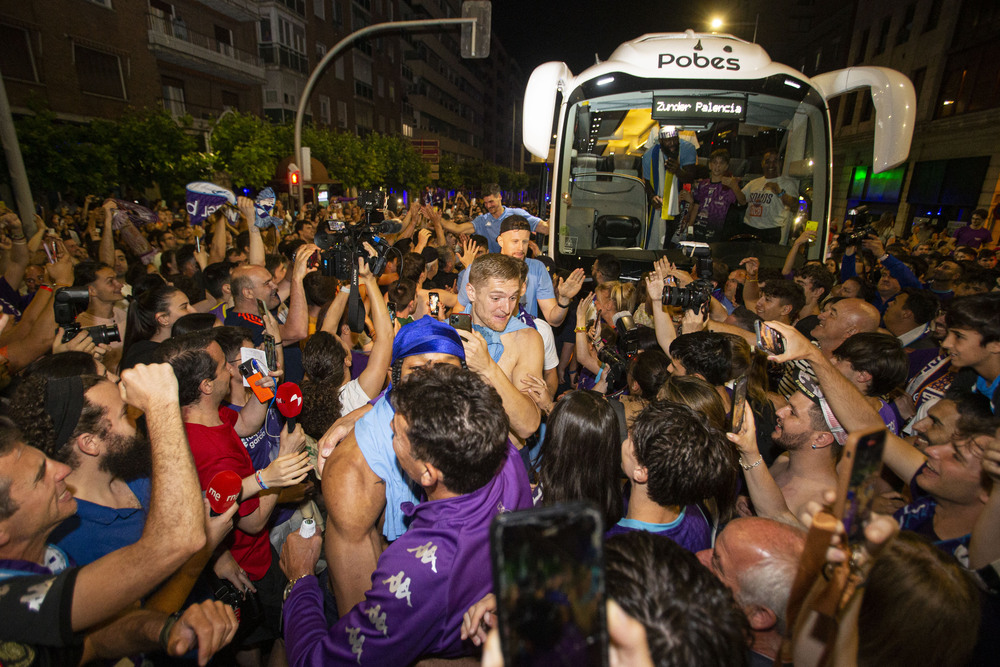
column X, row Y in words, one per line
column 28, row 410
column 690, row 616
column 456, row 422
column 686, row 459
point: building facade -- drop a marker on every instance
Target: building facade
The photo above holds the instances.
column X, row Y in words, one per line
column 951, row 52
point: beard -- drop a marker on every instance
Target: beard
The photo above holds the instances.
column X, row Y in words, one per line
column 127, row 458
column 791, row 443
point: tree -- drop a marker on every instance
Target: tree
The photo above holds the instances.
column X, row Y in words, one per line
column 449, row 176
column 151, row 147
column 248, row 148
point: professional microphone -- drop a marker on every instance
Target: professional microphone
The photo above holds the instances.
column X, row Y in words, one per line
column 223, row 491
column 289, row 400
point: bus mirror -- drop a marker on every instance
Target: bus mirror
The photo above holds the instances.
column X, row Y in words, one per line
column 895, row 108
column 539, row 109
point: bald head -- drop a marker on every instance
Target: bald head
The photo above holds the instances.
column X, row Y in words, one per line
column 249, row 283
column 841, row 320
column 757, row 559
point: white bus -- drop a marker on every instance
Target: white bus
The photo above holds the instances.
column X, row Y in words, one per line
column 717, row 91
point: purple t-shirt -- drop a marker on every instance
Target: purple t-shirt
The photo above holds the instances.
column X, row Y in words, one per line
column 424, row 583
column 714, row 200
column 971, row 237
column 691, row 529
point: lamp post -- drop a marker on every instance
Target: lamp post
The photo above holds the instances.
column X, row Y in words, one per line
column 475, row 24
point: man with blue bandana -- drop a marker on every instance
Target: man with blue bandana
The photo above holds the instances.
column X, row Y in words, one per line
column 362, row 483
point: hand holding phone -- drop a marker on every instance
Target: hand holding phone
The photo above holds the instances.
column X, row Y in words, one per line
column 548, row 570
column 252, row 371
column 434, row 301
column 739, row 403
column 461, row 321
column 768, row 339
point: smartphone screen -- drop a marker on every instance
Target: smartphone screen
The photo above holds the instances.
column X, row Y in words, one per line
column 548, row 570
column 435, row 300
column 261, row 308
column 739, row 402
column 768, row 339
column 857, row 497
column 461, row 321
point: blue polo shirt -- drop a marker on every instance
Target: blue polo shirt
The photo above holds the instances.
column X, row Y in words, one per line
column 488, row 226
column 539, row 287
column 95, row 530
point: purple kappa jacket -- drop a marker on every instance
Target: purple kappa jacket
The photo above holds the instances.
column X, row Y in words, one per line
column 425, row 581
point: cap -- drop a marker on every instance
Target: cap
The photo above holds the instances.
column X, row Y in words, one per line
column 668, row 131
column 808, row 385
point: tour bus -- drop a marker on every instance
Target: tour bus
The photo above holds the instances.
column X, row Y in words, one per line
column 715, row 91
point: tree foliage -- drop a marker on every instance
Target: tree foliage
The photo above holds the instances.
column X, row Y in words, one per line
column 148, row 147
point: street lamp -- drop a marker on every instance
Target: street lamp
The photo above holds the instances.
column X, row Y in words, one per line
column 716, row 23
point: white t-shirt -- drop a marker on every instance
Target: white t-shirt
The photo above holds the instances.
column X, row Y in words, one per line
column 352, row 397
column 549, row 343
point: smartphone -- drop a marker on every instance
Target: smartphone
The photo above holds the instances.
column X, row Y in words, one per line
column 548, row 572
column 461, row 321
column 856, row 491
column 261, row 308
column 812, row 225
column 391, row 305
column 739, row 402
column 768, row 339
column 50, row 251
column 252, row 371
column 435, row 300
column 269, row 353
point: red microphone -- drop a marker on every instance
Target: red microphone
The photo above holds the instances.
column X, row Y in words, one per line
column 289, row 400
column 223, row 491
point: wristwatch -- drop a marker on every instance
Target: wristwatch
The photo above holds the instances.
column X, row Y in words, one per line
column 291, row 585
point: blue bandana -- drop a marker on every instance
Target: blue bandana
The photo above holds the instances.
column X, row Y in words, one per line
column 493, row 344
column 425, row 336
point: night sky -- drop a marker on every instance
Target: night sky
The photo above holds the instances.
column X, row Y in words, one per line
column 537, row 31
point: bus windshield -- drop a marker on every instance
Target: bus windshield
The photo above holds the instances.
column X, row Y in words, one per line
column 615, row 192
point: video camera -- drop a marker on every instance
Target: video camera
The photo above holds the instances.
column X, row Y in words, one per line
column 697, row 293
column 860, row 218
column 342, row 244
column 69, row 302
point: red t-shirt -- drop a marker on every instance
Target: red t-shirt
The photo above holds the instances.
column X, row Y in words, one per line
column 218, row 448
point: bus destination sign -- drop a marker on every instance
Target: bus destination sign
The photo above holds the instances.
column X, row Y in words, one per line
column 693, row 109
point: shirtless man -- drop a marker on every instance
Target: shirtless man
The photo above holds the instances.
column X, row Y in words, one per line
column 362, row 485
column 808, row 466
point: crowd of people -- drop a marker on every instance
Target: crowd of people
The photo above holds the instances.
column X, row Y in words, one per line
column 139, row 394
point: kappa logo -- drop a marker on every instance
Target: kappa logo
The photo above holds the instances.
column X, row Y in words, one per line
column 35, row 596
column 377, row 618
column 357, row 641
column 399, row 585
column 427, row 553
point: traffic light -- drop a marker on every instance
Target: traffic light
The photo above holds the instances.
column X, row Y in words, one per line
column 294, row 179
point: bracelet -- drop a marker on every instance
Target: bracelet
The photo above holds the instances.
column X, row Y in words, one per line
column 564, row 306
column 260, row 480
column 751, row 280
column 760, row 460
column 582, row 329
column 168, row 625
column 883, row 257
column 47, row 288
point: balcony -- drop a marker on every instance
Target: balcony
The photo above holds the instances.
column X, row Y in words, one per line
column 278, row 54
column 174, row 42
column 240, row 10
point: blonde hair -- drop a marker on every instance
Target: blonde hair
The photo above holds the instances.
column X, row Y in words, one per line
column 621, row 294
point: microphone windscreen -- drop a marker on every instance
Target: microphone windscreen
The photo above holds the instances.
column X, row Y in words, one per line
column 289, row 399
column 223, row 490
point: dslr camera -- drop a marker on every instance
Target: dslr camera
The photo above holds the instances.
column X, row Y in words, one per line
column 69, row 302
column 696, row 294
